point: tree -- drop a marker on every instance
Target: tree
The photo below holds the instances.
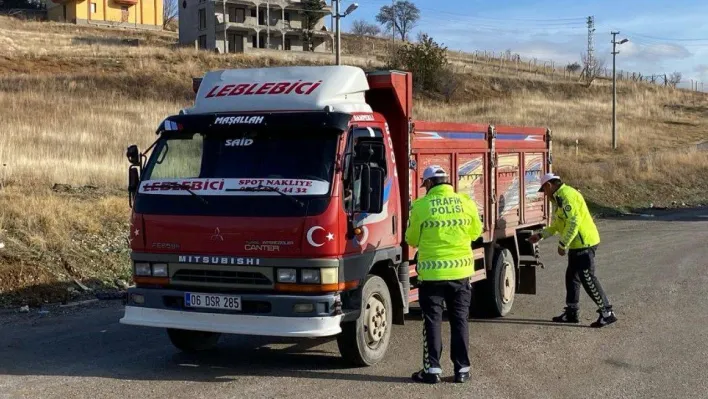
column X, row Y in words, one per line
column 592, row 68
column 675, row 79
column 312, row 12
column 401, row 17
column 363, row 28
column 170, row 10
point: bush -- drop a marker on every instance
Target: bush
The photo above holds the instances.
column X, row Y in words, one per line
column 426, row 59
column 574, row 67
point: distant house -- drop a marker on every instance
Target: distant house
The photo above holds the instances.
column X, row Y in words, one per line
column 145, row 14
column 235, row 26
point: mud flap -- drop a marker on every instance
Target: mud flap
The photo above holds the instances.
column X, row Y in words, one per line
column 527, row 279
column 530, row 259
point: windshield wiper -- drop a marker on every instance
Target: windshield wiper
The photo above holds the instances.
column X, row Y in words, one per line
column 189, row 190
column 261, row 187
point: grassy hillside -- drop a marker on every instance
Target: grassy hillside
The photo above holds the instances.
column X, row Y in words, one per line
column 72, row 99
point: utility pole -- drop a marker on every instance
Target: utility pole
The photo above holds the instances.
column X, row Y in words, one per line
column 339, row 16
column 614, row 87
column 590, row 61
column 268, row 24
column 338, row 29
column 331, row 20
column 226, row 26
column 393, row 22
column 591, row 36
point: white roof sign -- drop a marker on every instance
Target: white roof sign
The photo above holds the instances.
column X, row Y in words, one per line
column 301, row 88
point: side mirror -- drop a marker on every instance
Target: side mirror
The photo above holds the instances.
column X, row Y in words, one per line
column 376, row 191
column 133, row 183
column 371, row 189
column 365, row 188
column 133, row 155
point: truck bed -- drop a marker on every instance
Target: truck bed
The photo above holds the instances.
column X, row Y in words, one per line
column 500, row 167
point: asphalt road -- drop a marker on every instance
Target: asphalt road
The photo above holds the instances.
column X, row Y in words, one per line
column 655, row 271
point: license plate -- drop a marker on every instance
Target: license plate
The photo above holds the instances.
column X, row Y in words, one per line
column 212, row 301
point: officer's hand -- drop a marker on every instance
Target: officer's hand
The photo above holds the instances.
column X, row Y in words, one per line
column 535, row 238
column 561, row 251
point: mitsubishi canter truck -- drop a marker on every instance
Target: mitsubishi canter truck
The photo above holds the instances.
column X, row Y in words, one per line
column 277, row 206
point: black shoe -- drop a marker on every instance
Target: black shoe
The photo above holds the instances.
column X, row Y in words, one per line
column 422, row 376
column 603, row 321
column 461, row 378
column 569, row 316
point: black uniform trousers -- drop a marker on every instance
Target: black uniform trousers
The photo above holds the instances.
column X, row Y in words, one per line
column 581, row 271
column 456, row 294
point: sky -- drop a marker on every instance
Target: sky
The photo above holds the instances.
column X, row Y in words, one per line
column 664, row 36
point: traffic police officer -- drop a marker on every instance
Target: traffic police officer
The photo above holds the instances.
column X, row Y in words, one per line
column 443, row 225
column 579, row 238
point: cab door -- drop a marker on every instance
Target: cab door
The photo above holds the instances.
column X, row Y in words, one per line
column 378, row 230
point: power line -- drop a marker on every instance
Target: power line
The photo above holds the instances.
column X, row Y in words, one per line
column 666, row 38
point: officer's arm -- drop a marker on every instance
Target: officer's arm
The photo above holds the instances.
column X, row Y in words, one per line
column 572, row 224
column 413, row 229
column 553, row 229
column 475, row 228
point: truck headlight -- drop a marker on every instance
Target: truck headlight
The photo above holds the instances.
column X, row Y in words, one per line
column 142, row 269
column 159, row 270
column 287, row 275
column 310, row 276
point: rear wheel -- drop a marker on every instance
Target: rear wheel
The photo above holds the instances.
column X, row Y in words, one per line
column 363, row 342
column 494, row 296
column 193, row 341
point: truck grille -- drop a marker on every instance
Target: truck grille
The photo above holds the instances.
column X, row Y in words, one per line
column 220, row 277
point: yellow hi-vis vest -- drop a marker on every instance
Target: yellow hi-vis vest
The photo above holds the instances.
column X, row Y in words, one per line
column 572, row 220
column 443, row 225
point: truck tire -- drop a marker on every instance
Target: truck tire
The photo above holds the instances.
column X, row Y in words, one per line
column 364, row 341
column 193, row 341
column 494, row 296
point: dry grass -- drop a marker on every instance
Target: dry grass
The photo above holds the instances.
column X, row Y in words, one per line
column 72, row 99
column 71, row 135
column 52, row 238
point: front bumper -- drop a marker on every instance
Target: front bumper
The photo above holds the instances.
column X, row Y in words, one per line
column 270, row 315
column 234, row 323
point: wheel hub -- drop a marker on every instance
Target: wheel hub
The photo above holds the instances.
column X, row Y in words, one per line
column 375, row 320
column 508, row 282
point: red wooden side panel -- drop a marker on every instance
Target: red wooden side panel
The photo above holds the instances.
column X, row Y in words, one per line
column 534, row 202
column 425, row 160
column 508, row 191
column 471, row 179
column 516, row 138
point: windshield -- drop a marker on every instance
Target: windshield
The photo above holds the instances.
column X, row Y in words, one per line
column 249, row 168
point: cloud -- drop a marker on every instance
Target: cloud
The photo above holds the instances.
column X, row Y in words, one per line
column 654, row 52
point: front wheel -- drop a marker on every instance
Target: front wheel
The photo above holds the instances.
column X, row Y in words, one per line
column 192, row 341
column 363, row 342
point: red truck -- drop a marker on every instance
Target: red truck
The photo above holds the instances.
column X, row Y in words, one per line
column 277, row 206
